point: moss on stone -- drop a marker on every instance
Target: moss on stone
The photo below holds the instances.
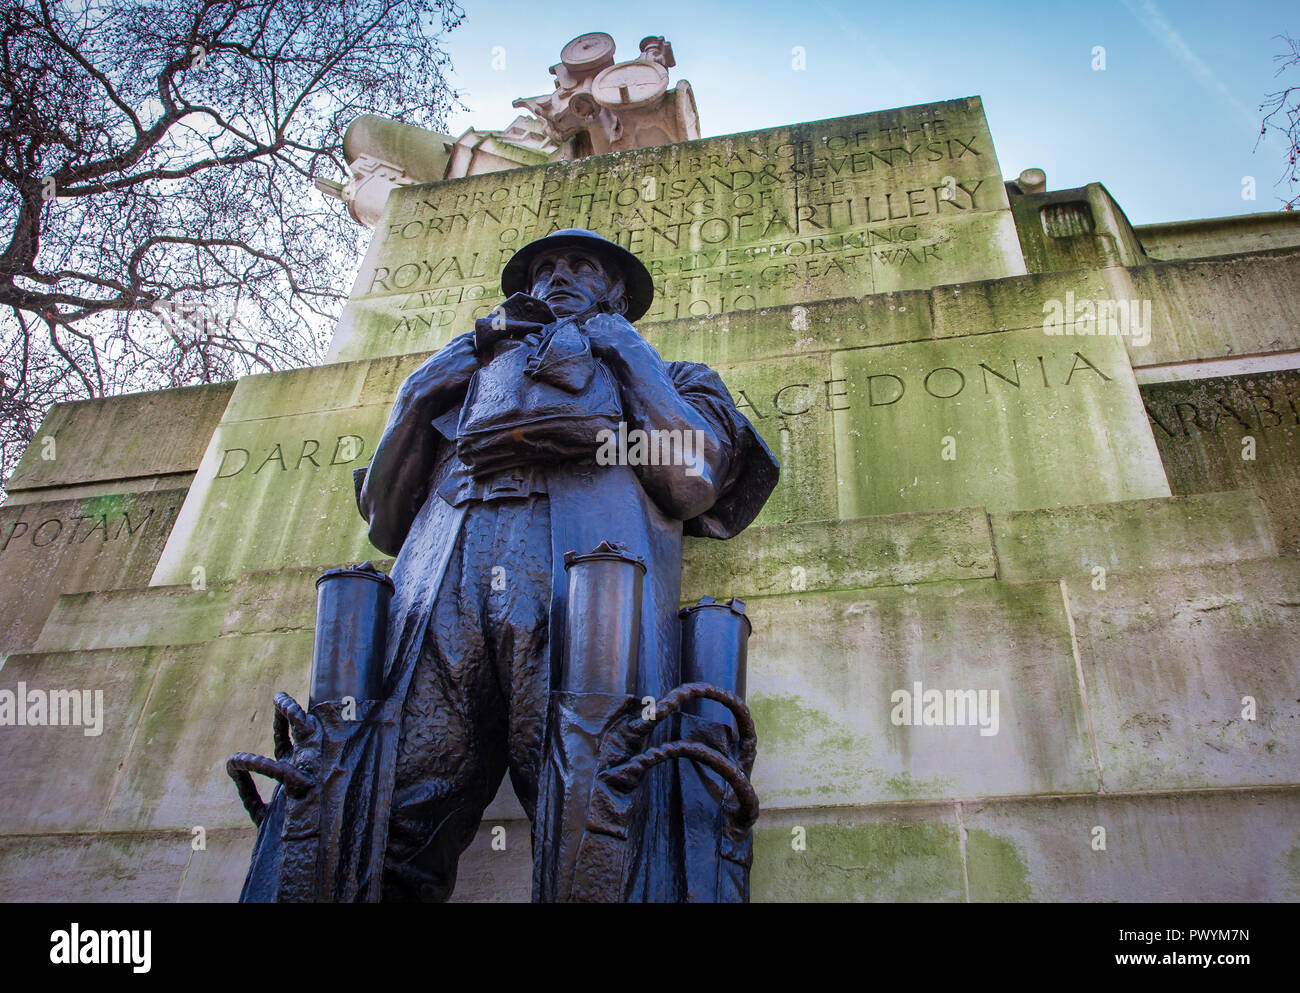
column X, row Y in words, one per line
column 905, row 860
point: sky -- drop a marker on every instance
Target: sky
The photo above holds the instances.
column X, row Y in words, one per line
column 1169, row 125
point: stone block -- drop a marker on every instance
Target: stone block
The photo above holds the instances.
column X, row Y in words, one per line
column 891, row 853
column 43, row 868
column 1172, row 240
column 255, row 603
column 1169, row 658
column 71, row 546
column 1080, row 228
column 275, row 487
column 151, row 615
column 1132, row 536
column 1209, row 308
column 137, row 867
column 1013, row 420
column 320, row 389
column 216, row 874
column 1233, row 846
column 496, row 875
column 787, row 403
column 115, row 439
column 58, row 778
column 954, row 250
column 837, row 555
column 897, row 200
column 277, row 601
column 93, row 868
column 207, row 703
column 824, row 669
column 798, row 329
column 1202, row 427
column 1199, row 310
column 1017, row 302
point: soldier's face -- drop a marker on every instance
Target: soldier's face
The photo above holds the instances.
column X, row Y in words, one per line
column 570, row 280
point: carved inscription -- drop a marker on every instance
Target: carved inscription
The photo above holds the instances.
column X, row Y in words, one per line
column 1234, row 432
column 756, row 220
column 990, row 377
column 305, row 454
column 1205, row 408
column 77, row 529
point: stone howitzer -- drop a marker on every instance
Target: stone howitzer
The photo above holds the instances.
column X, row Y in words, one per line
column 321, row 838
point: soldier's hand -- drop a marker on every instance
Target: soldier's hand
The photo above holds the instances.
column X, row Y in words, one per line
column 517, row 317
column 611, row 335
column 498, row 327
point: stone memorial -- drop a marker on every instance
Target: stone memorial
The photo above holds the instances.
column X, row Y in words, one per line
column 1029, row 571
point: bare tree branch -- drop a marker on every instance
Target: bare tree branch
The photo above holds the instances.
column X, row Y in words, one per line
column 1281, row 110
column 158, row 221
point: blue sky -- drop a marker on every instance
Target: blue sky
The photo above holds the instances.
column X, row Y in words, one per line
column 1169, row 126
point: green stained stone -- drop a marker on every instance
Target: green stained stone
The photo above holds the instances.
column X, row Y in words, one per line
column 1009, row 420
column 896, row 200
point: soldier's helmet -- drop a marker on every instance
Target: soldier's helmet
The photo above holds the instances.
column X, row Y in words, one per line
column 637, row 284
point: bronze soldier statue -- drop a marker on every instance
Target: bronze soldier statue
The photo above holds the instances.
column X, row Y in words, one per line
column 489, row 471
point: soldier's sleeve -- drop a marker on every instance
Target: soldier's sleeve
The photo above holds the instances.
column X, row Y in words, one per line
column 751, row 470
column 391, row 491
column 707, row 467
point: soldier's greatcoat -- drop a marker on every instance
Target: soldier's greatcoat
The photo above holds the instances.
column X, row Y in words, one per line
column 416, row 490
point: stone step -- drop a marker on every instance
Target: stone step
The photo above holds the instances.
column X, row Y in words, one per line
column 152, row 616
column 1205, row 846
column 1191, row 846
column 256, row 602
column 1129, row 536
column 859, row 553
column 890, row 550
column 1132, row 536
column 1241, row 304
column 126, row 867
column 1138, row 688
